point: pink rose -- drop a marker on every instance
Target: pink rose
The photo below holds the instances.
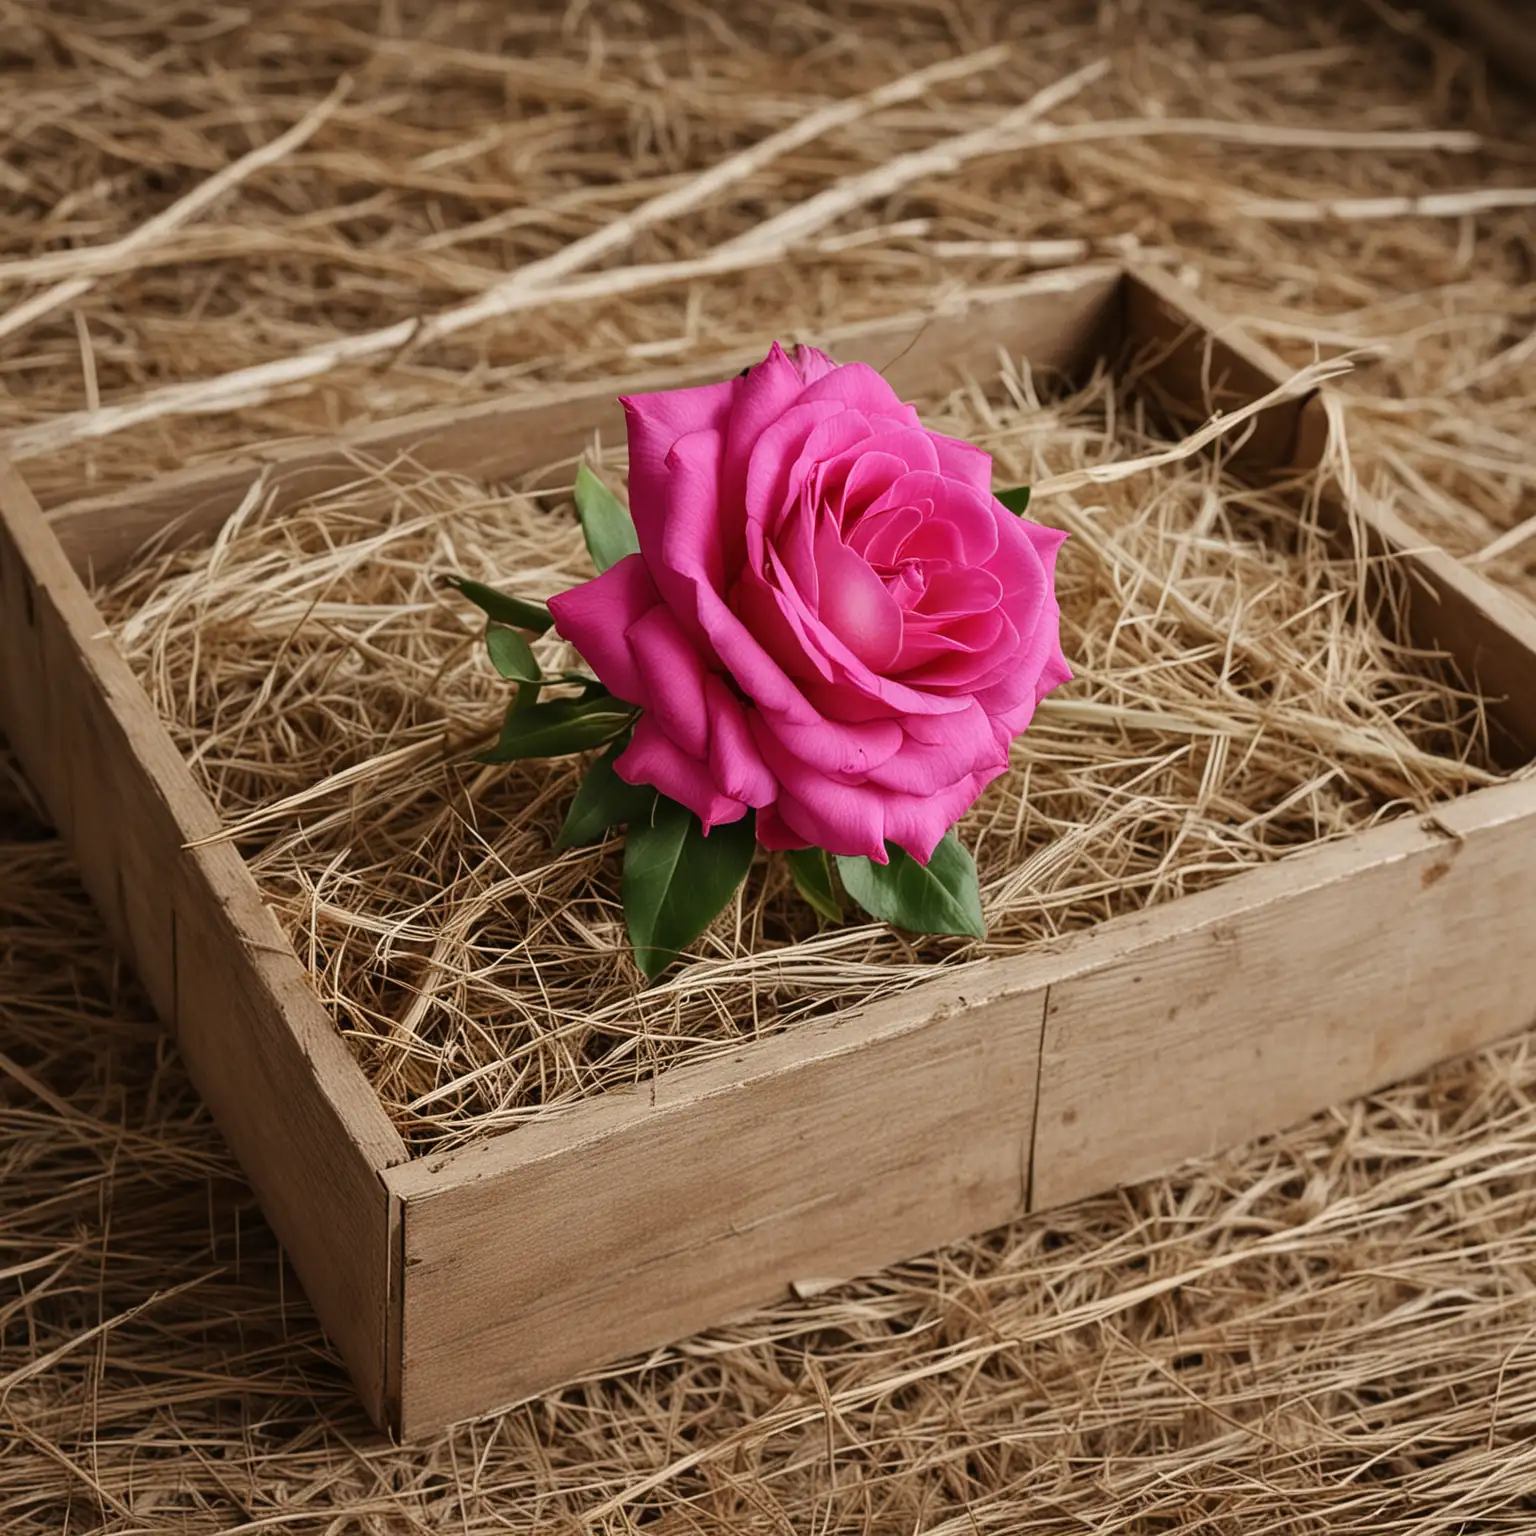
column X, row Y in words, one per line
column 831, row 618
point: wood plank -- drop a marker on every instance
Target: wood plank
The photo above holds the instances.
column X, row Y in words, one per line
column 1454, row 610
column 1244, row 1009
column 643, row 1216
column 1445, row 606
column 1449, row 608
column 293, row 1105
column 1056, row 319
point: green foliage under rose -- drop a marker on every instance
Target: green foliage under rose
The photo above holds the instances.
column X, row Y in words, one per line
column 678, row 879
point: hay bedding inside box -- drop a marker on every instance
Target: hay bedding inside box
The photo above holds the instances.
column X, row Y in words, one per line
column 1235, row 701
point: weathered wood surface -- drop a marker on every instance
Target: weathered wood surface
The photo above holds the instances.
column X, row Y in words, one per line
column 1251, row 1006
column 636, row 1218
column 642, row 1216
column 1201, row 362
column 293, row 1105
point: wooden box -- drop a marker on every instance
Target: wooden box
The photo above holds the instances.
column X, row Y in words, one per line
column 456, row 1283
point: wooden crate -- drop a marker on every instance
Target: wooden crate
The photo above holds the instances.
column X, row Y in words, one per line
column 458, row 1282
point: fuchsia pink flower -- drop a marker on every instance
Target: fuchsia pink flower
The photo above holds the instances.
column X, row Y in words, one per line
column 831, row 619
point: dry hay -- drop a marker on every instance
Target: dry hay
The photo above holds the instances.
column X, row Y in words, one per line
column 1236, row 700
column 1328, row 1332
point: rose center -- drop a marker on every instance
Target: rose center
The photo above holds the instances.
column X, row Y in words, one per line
column 907, row 582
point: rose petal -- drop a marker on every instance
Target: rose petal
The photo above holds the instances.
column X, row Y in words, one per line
column 885, row 694
column 773, row 833
column 860, row 386
column 908, row 445
column 735, row 763
column 960, row 592
column 1053, row 674
column 918, row 823
column 789, row 449
column 842, row 818
column 595, row 616
column 762, row 397
column 855, row 604
column 653, row 758
column 780, row 629
column 673, row 677
column 655, row 422
column 1020, row 567
column 795, row 548
column 881, row 536
column 965, row 462
column 812, row 363
column 970, row 513
column 959, row 652
column 1011, row 701
column 1046, row 542
column 868, row 476
column 838, row 748
column 934, row 540
column 932, row 764
column 685, row 585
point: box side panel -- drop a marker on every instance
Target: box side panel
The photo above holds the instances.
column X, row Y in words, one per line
column 294, row 1107
column 1450, row 609
column 1447, row 608
column 1198, row 362
column 1396, row 950
column 850, row 1145
column 1057, row 320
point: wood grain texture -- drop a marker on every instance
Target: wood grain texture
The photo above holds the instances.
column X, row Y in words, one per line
column 643, row 1216
column 294, row 1106
column 1444, row 606
column 1453, row 610
column 1058, row 320
column 1242, row 1010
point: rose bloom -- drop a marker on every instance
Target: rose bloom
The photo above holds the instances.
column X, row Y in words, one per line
column 831, row 618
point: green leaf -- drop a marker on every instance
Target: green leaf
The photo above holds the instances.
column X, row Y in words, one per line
column 558, row 728
column 603, row 801
column 605, row 521
column 939, row 897
column 1016, row 500
column 813, row 879
column 511, row 655
column 677, row 881
column 519, row 612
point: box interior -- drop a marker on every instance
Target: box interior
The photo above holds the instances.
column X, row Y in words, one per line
column 1243, row 693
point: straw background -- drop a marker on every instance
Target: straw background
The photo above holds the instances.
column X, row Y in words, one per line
column 1331, row 1331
